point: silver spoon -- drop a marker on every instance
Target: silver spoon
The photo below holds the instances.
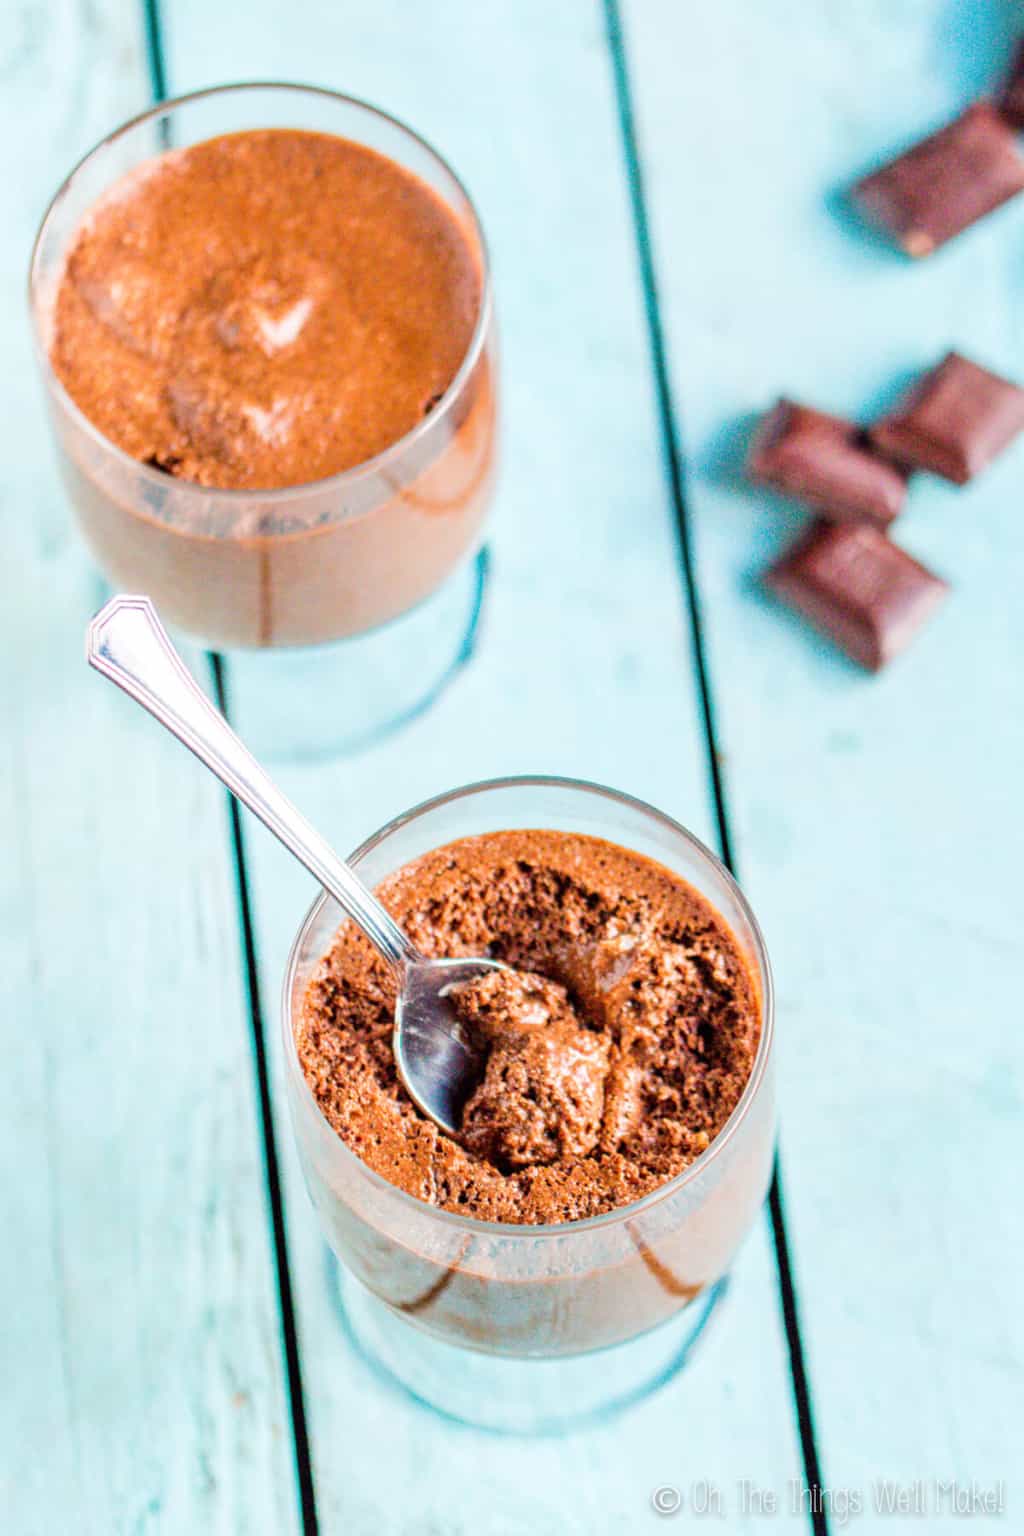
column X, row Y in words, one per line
column 438, row 1060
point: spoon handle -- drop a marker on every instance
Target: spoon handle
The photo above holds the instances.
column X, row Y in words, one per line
column 128, row 644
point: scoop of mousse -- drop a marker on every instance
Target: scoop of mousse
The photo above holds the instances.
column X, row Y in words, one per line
column 541, row 1098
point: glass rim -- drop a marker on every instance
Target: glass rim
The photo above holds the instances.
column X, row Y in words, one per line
column 524, row 1230
column 231, row 496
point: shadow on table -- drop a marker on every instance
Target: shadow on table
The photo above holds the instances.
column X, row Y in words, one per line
column 973, row 43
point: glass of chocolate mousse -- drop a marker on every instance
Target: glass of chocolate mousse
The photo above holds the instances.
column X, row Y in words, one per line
column 265, row 323
column 562, row 1256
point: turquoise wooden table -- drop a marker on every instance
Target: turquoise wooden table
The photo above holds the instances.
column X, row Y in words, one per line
column 659, row 185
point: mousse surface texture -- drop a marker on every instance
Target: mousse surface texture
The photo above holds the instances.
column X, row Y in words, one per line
column 616, row 1050
column 264, row 309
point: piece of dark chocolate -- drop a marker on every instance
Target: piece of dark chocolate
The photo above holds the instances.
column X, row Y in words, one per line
column 954, row 421
column 827, row 463
column 1010, row 100
column 945, row 183
column 858, row 587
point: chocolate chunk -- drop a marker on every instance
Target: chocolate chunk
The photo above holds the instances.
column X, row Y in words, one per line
column 1010, row 100
column 858, row 587
column 826, row 462
column 945, row 183
column 954, row 421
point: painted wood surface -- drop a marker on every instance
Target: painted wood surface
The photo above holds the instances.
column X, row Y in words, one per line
column 140, row 1376
column 877, row 821
column 583, row 668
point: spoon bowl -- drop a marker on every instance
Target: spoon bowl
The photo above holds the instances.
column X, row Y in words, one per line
column 439, row 1060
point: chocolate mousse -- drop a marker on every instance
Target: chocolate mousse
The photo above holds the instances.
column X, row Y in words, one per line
column 264, row 309
column 617, row 1047
column 541, row 1098
column 259, row 312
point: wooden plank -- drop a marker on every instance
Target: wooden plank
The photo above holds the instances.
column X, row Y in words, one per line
column 583, row 668
column 140, row 1357
column 877, row 821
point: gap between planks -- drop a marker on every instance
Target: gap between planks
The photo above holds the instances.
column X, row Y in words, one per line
column 153, row 29
column 676, row 476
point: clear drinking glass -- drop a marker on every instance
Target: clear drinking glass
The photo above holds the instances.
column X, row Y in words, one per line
column 311, row 564
column 531, row 1328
